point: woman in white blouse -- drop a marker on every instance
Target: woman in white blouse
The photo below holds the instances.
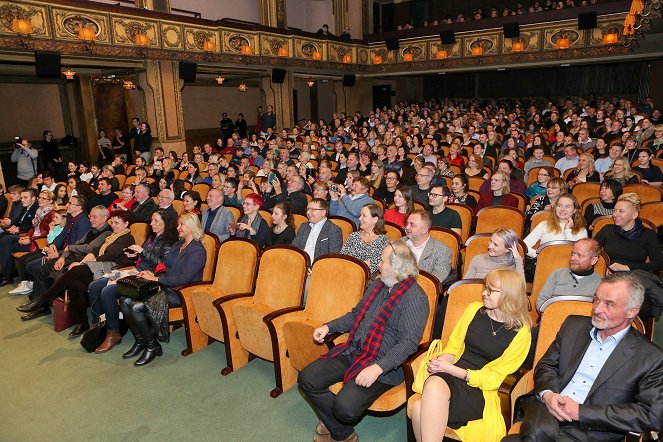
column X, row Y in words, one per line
column 566, row 223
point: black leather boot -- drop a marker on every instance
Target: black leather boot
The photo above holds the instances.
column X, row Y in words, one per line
column 151, row 352
column 140, row 325
column 137, row 348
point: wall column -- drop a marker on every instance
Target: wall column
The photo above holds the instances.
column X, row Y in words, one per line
column 280, row 97
column 163, row 104
column 273, row 13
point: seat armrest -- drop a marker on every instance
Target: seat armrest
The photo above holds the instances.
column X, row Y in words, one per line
column 217, row 302
column 329, row 339
column 284, row 311
column 410, row 365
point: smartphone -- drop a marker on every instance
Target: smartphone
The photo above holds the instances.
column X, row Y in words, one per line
column 271, row 177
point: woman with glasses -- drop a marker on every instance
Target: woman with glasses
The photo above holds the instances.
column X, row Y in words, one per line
column 556, row 187
column 251, row 225
column 490, row 341
column 391, row 181
column 538, row 187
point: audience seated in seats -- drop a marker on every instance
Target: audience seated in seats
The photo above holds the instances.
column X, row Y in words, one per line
column 628, row 243
column 555, row 187
column 384, row 329
column 230, row 197
column 578, row 279
column 621, row 171
column 475, row 167
column 569, row 160
column 392, row 181
column 126, row 201
column 320, row 190
column 148, row 321
column 349, row 206
column 367, row 243
column 442, row 216
column 498, row 195
column 216, row 218
column 424, row 178
column 432, row 256
column 52, row 268
column 600, row 378
column 566, row 223
column 352, row 163
column 515, row 185
column 650, row 174
column 502, row 253
column 283, row 230
column 319, row 236
column 539, row 187
column 584, row 172
column 609, row 192
column 161, row 235
column 22, row 213
column 293, row 195
column 165, row 200
column 536, row 160
column 251, row 224
column 377, row 179
column 16, row 206
column 459, row 188
column 191, row 201
column 79, row 274
column 402, row 206
column 144, row 207
column 490, row 341
column 604, row 164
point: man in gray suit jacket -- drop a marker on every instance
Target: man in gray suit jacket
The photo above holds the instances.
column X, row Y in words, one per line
column 432, row 256
column 600, row 378
column 319, row 236
column 216, row 217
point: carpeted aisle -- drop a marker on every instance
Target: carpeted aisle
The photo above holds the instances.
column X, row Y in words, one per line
column 53, row 390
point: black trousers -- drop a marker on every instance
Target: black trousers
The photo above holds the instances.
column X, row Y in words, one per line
column 339, row 412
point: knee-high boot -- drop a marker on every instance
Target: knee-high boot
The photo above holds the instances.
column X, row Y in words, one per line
column 139, row 344
column 141, row 326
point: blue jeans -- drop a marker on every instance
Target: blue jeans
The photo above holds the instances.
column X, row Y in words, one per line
column 103, row 300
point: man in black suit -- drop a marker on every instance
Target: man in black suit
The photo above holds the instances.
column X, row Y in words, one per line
column 319, row 236
column 600, row 378
column 144, row 207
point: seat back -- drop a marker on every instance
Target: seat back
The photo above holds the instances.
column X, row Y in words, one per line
column 281, row 276
column 267, row 216
column 466, row 215
column 522, row 201
column 347, row 226
column 394, row 231
column 234, row 211
column 121, row 179
column 211, row 244
column 432, row 289
column 492, row 218
column 475, row 182
column 178, row 205
column 582, row 191
column 139, row 232
column 653, row 211
column 459, row 296
column 299, row 220
column 449, row 238
column 646, row 192
column 9, row 205
column 540, row 217
column 478, row 244
column 236, row 266
column 202, row 189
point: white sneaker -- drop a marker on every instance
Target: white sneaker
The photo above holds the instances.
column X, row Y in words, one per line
column 23, row 288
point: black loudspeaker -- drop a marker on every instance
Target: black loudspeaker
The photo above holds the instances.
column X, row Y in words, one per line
column 47, row 64
column 349, row 80
column 447, row 37
column 587, row 20
column 278, row 75
column 188, row 71
column 511, row 30
column 392, row 44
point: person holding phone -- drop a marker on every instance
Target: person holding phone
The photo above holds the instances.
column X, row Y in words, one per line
column 126, row 201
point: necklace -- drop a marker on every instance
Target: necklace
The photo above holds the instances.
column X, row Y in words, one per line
column 492, row 328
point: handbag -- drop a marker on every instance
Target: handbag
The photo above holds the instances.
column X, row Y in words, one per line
column 137, row 288
column 62, row 314
column 434, row 350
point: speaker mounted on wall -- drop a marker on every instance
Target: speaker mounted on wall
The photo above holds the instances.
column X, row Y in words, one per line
column 278, row 75
column 447, row 37
column 392, row 44
column 48, row 64
column 188, row 71
column 349, row 80
column 511, row 30
column 587, row 20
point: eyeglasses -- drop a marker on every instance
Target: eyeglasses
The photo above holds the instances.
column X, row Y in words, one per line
column 489, row 289
column 435, row 195
column 543, row 174
column 423, row 174
column 311, row 209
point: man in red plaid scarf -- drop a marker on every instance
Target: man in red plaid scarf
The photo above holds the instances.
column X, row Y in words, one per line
column 384, row 329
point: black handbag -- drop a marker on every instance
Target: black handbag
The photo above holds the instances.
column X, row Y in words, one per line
column 137, row 288
column 95, row 336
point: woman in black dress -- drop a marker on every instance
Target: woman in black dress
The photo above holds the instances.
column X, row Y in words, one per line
column 490, row 341
column 283, row 231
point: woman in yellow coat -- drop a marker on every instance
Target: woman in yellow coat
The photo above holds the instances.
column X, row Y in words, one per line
column 490, row 341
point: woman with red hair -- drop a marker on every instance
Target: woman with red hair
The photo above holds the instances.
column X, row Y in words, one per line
column 251, row 225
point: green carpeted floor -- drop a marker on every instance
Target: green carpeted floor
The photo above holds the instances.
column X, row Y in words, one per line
column 53, row 390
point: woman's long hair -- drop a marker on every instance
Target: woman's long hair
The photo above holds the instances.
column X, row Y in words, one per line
column 553, row 224
column 170, row 234
column 513, row 300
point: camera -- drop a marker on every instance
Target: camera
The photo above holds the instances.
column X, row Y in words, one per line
column 334, row 188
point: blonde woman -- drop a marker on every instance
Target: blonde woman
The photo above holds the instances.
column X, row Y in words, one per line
column 490, row 341
column 474, row 167
column 585, row 172
column 377, row 178
column 566, row 223
column 621, row 171
column 502, row 252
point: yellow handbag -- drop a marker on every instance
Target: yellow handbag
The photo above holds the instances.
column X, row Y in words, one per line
column 434, row 351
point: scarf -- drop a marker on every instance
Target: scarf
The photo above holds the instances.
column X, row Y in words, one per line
column 111, row 239
column 371, row 346
column 505, row 260
column 634, row 233
column 40, row 214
